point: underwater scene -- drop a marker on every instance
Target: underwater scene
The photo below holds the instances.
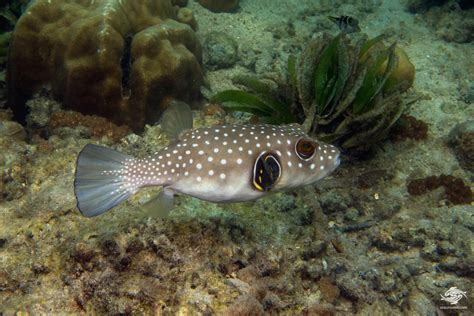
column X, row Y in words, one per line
column 226, row 157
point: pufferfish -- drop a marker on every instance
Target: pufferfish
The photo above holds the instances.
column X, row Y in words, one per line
column 228, row 163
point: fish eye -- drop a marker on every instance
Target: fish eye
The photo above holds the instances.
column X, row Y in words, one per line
column 305, row 148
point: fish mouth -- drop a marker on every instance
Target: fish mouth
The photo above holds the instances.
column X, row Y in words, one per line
column 337, row 162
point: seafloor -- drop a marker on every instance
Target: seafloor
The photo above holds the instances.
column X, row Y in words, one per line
column 355, row 243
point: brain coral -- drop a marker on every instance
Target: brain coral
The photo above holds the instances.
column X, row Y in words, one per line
column 121, row 59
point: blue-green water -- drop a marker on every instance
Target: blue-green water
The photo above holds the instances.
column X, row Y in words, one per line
column 389, row 231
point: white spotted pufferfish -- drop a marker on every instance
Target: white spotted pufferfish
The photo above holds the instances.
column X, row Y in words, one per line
column 229, row 163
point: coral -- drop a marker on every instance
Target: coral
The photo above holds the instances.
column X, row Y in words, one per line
column 10, row 11
column 457, row 192
column 409, row 127
column 186, row 16
column 98, row 126
column 180, row 3
column 220, row 50
column 220, row 5
column 119, row 59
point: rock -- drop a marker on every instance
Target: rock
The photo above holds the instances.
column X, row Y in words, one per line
column 123, row 60
column 13, row 130
column 220, row 5
column 220, row 51
column 461, row 139
column 39, row 112
column 241, row 286
column 245, row 305
column 419, row 304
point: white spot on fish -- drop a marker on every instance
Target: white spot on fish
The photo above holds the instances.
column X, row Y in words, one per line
column 199, row 166
column 222, row 176
column 223, row 161
column 312, row 166
column 211, row 172
column 210, row 159
column 239, row 161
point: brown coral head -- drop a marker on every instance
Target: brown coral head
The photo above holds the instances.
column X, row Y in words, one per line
column 117, row 59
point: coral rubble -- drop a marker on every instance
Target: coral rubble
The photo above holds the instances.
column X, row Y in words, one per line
column 98, row 126
column 119, row 59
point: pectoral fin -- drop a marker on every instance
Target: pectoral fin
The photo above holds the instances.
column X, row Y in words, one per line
column 267, row 171
column 161, row 205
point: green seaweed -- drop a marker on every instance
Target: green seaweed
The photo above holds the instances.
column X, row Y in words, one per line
column 337, row 84
column 271, row 109
column 374, row 81
column 325, row 76
column 292, row 71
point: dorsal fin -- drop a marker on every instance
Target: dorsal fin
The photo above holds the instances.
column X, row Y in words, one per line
column 176, row 119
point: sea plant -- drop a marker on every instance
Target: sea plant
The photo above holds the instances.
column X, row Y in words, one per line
column 349, row 91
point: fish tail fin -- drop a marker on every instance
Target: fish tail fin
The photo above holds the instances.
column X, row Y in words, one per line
column 100, row 182
column 333, row 18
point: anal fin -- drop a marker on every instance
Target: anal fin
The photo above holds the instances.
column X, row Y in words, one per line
column 161, row 205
